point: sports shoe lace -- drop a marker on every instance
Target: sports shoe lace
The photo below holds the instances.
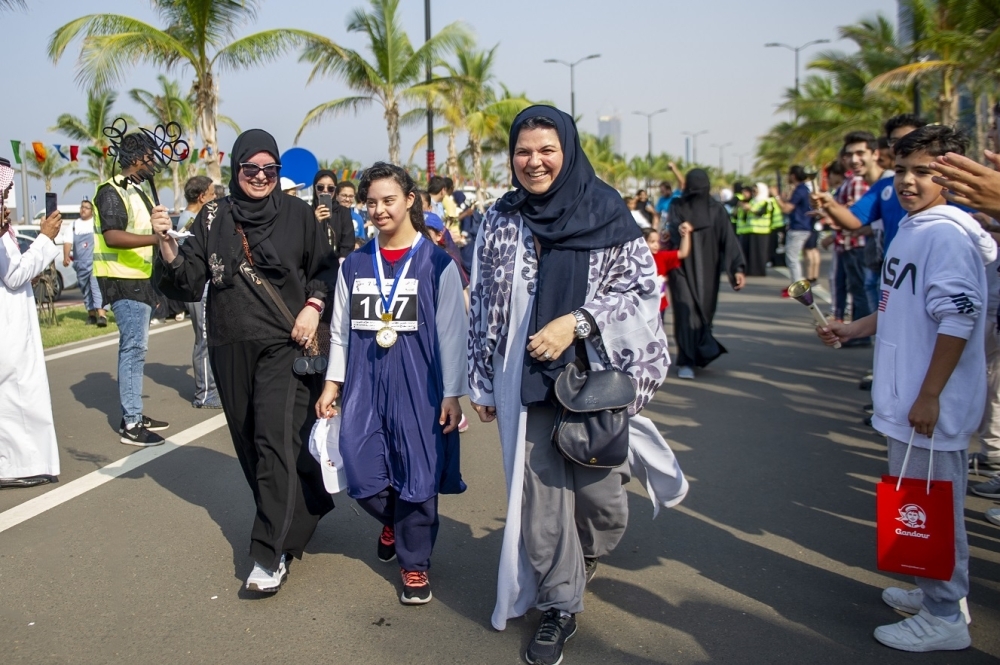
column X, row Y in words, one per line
column 549, row 629
column 414, row 578
column 388, row 536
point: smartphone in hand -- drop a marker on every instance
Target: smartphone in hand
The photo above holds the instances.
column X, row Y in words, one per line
column 326, row 200
column 51, row 203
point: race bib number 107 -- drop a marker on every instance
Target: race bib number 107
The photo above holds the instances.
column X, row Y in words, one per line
column 367, row 308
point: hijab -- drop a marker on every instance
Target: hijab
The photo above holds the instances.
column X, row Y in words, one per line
column 579, row 213
column 323, row 173
column 257, row 217
column 763, row 193
column 696, row 205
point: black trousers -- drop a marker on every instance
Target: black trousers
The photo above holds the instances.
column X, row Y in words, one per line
column 270, row 414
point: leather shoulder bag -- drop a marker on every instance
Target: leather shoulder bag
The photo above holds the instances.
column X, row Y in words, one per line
column 591, row 425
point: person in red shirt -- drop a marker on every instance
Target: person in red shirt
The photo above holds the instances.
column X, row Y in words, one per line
column 668, row 259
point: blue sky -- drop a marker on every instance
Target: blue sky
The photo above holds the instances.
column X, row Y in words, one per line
column 704, row 61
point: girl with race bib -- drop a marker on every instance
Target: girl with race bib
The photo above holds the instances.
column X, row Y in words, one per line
column 397, row 360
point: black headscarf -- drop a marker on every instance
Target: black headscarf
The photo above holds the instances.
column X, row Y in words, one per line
column 323, row 173
column 697, row 202
column 578, row 213
column 257, row 217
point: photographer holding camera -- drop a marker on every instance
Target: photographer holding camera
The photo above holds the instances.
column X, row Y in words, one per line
column 263, row 256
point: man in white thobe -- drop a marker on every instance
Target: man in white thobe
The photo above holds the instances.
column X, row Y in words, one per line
column 28, row 452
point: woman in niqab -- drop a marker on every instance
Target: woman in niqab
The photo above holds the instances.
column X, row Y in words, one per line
column 694, row 287
column 561, row 266
column 256, row 234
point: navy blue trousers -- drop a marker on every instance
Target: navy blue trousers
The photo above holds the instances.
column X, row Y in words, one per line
column 415, row 524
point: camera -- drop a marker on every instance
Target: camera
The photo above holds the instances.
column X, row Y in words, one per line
column 306, row 365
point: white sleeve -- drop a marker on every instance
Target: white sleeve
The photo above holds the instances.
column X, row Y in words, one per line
column 17, row 269
column 340, row 333
column 954, row 298
column 452, row 329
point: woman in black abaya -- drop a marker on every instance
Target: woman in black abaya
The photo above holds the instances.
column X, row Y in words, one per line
column 694, row 287
column 256, row 235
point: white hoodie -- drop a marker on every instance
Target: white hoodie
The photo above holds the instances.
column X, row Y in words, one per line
column 933, row 282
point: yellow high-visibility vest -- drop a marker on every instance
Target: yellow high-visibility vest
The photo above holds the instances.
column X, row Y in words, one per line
column 121, row 263
column 759, row 217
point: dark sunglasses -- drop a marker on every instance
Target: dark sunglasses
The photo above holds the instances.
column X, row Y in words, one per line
column 326, row 188
column 250, row 170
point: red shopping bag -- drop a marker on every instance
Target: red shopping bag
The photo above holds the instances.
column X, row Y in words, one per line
column 916, row 524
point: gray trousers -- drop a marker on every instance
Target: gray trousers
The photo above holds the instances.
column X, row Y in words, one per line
column 941, row 598
column 568, row 512
column 989, row 429
column 204, row 381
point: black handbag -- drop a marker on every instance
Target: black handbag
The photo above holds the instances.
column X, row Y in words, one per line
column 591, row 425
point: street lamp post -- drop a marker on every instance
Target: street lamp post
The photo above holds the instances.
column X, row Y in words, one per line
column 721, row 149
column 741, row 156
column 572, row 78
column 649, row 137
column 796, row 50
column 694, row 143
column 431, row 166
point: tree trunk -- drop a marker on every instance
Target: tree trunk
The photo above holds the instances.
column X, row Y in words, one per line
column 175, row 169
column 207, row 105
column 477, row 167
column 982, row 125
column 946, row 101
column 452, row 153
column 392, row 127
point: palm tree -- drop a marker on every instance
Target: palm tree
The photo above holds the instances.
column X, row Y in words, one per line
column 389, row 77
column 198, row 34
column 50, row 168
column 90, row 130
column 13, row 4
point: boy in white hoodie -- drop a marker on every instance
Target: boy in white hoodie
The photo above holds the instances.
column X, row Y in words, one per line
column 928, row 381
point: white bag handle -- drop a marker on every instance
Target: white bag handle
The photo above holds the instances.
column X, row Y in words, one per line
column 906, row 459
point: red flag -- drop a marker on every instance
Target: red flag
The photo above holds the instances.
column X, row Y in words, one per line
column 74, row 152
column 105, row 150
column 221, row 155
column 40, row 152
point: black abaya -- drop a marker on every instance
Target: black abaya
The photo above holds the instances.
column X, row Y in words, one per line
column 694, row 287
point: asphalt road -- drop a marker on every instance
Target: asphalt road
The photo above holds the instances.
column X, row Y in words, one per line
column 770, row 559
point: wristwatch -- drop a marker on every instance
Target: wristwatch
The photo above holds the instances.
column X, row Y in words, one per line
column 583, row 327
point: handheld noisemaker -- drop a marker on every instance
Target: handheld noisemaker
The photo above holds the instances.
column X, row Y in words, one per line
column 802, row 292
column 153, row 149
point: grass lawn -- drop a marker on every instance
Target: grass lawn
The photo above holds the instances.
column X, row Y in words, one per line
column 73, row 327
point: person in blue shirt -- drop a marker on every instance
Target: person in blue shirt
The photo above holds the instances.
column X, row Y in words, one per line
column 800, row 222
column 346, row 194
column 880, row 202
column 668, row 195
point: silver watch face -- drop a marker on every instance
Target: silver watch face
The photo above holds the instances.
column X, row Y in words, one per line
column 583, row 329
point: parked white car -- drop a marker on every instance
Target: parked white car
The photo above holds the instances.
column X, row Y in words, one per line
column 67, row 274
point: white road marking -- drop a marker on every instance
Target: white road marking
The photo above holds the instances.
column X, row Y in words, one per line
column 63, row 493
column 109, row 342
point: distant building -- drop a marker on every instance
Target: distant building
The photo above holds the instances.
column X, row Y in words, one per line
column 611, row 125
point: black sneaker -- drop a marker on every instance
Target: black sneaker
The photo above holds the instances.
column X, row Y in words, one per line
column 546, row 646
column 416, row 587
column 140, row 436
column 590, row 567
column 102, row 322
column 387, row 545
column 869, row 409
column 866, row 383
column 154, row 425
column 91, row 320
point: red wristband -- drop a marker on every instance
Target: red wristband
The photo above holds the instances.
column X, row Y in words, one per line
column 318, row 308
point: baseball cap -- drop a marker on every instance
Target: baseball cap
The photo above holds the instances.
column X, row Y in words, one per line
column 288, row 183
column 433, row 221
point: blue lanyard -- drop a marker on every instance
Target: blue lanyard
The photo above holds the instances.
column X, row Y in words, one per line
column 387, row 304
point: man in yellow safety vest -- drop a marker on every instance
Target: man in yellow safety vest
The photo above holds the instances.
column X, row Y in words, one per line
column 123, row 264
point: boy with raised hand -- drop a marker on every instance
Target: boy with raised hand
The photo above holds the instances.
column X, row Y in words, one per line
column 928, row 380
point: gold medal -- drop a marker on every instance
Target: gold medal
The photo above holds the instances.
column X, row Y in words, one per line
column 387, row 318
column 386, row 337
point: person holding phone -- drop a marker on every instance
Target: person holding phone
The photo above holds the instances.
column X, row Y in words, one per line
column 81, row 242
column 28, row 452
column 338, row 225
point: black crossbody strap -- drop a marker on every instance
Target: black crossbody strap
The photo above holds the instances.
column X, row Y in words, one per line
column 265, row 282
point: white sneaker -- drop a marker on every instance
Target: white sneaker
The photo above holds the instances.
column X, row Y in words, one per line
column 925, row 632
column 463, row 425
column 264, row 581
column 912, row 601
column 992, row 516
column 685, row 372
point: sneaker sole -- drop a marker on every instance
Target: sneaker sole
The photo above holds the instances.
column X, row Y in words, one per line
column 389, row 560
column 274, row 589
column 956, row 644
column 988, row 495
column 137, row 444
column 415, row 601
column 568, row 638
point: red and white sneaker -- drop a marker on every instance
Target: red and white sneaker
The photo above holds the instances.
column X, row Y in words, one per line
column 463, row 425
column 387, row 545
column 416, row 587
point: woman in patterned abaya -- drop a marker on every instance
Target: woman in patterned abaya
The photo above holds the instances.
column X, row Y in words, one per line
column 560, row 261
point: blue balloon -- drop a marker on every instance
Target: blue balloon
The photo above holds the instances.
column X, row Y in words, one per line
column 300, row 165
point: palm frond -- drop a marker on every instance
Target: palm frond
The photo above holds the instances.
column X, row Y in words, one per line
column 333, row 108
column 262, row 47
